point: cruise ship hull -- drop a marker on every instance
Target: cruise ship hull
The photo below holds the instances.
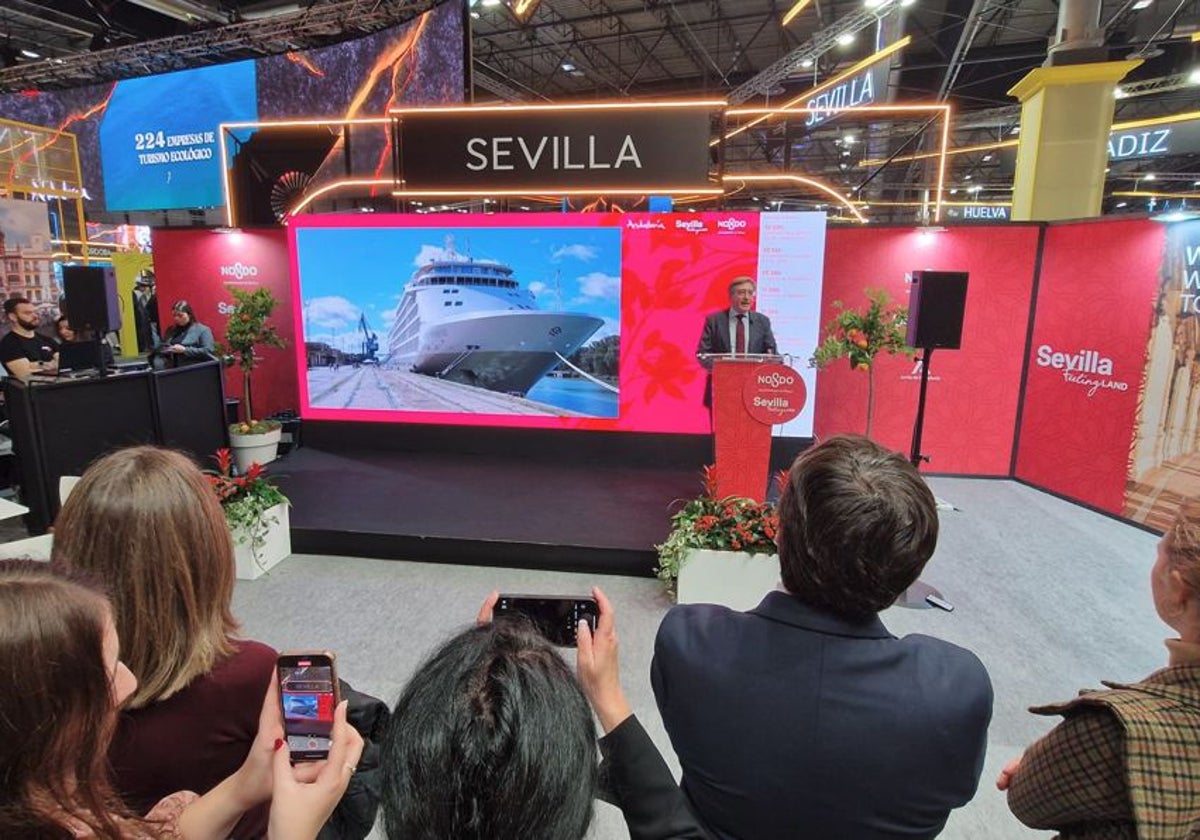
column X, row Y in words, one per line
column 507, row 351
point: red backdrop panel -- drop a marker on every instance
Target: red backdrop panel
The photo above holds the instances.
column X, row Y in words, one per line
column 199, row 266
column 1096, row 293
column 973, row 392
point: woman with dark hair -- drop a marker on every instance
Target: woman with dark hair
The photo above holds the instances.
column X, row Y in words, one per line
column 1125, row 762
column 145, row 522
column 63, row 682
column 187, row 340
column 492, row 739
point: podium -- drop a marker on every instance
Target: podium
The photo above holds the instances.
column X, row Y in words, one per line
column 750, row 393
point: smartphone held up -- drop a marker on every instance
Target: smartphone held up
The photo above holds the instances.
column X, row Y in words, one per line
column 308, row 694
column 556, row 617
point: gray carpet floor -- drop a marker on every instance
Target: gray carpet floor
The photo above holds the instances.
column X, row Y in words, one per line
column 1050, row 596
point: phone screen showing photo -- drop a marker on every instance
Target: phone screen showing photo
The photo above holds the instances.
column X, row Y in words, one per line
column 306, row 690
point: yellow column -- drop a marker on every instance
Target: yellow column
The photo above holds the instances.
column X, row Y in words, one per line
column 1066, row 117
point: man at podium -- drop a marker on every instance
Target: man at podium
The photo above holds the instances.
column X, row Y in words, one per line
column 737, row 330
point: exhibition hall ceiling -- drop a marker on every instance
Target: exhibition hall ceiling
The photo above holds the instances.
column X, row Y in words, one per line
column 968, row 53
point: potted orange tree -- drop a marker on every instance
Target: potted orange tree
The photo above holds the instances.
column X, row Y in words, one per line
column 246, row 332
column 860, row 335
column 720, row 550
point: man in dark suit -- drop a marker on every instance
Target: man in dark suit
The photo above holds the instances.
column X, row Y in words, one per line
column 805, row 717
column 735, row 330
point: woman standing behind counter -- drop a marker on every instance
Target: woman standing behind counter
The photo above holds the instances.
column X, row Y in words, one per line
column 187, row 341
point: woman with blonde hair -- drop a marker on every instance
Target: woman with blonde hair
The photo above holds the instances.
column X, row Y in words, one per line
column 59, row 652
column 1125, row 762
column 145, row 522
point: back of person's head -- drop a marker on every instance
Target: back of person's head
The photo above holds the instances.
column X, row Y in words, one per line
column 492, row 739
column 1183, row 544
column 146, row 523
column 856, row 525
column 56, row 707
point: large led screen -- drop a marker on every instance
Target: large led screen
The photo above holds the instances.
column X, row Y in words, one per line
column 585, row 321
column 158, row 133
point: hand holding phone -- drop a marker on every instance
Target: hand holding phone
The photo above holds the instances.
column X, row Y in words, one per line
column 556, row 617
column 308, row 695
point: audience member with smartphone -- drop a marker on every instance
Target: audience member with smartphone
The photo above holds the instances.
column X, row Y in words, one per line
column 58, row 713
column 493, row 737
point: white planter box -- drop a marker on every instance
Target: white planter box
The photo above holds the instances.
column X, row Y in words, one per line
column 732, row 578
column 278, row 545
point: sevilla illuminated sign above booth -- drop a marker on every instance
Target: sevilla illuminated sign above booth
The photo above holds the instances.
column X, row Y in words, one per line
column 660, row 147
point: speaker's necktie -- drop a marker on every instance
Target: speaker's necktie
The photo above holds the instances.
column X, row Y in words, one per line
column 741, row 335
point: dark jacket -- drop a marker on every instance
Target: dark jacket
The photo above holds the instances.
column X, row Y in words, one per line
column 792, row 722
column 715, row 339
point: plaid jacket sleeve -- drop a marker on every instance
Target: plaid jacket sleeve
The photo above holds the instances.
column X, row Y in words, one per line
column 1075, row 775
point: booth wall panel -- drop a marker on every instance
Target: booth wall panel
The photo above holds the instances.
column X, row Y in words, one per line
column 189, row 264
column 1096, row 293
column 973, row 393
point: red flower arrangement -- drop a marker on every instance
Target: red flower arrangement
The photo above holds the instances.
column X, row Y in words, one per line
column 245, row 499
column 729, row 524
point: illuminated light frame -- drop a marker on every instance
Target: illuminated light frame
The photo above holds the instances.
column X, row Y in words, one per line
column 1003, row 144
column 568, row 106
column 799, row 7
column 945, row 110
column 828, row 83
column 310, row 197
column 226, row 193
column 747, row 177
column 1149, row 194
column 523, row 9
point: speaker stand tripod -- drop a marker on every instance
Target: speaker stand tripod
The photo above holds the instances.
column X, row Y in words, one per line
column 920, row 595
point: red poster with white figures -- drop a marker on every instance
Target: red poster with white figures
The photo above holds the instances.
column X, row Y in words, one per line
column 973, row 392
column 1094, row 309
column 200, row 266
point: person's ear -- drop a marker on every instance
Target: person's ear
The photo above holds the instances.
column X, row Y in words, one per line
column 1178, row 595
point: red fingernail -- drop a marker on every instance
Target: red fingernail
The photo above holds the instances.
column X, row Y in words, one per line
column 278, row 744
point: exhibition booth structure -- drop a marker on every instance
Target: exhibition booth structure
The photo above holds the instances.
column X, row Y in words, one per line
column 1077, row 371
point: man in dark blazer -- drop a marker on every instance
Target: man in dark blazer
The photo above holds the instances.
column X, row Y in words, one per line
column 805, row 717
column 721, row 329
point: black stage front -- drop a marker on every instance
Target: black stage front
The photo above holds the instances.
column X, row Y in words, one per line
column 484, row 509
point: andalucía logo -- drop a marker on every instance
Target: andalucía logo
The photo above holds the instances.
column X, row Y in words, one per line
column 1086, row 368
column 643, row 224
column 239, row 271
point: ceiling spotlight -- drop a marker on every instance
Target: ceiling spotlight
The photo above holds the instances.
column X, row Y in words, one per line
column 987, row 157
column 568, row 66
column 845, row 39
column 806, row 63
column 976, row 188
column 904, row 4
column 1016, row 129
column 849, row 138
column 30, row 54
column 954, row 192
column 491, row 2
column 1194, row 76
column 1142, row 4
column 875, row 4
column 1121, row 204
column 475, row 14
column 967, row 177
column 1119, row 92
column 1149, row 176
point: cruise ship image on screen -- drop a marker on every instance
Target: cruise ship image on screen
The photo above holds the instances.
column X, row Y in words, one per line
column 469, row 321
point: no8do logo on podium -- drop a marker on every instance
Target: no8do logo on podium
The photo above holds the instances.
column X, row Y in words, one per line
column 774, row 394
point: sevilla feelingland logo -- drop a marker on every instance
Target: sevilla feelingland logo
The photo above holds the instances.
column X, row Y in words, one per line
column 691, row 225
column 239, row 271
column 1087, row 368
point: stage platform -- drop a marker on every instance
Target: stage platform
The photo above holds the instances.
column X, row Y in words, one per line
column 481, row 509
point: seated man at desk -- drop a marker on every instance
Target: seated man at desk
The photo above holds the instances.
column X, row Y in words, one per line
column 24, row 351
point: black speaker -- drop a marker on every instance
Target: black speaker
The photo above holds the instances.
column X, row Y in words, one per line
column 936, row 303
column 92, row 302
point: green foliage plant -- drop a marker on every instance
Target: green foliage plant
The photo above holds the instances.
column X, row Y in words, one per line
column 860, row 335
column 248, row 330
